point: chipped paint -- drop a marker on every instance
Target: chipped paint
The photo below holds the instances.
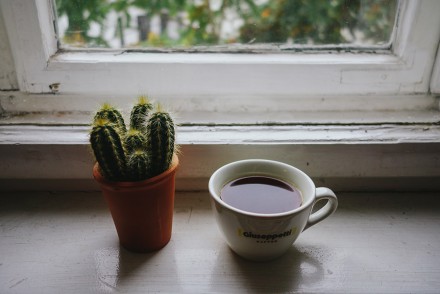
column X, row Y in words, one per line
column 55, row 87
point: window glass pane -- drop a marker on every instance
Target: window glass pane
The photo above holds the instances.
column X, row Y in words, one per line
column 181, row 24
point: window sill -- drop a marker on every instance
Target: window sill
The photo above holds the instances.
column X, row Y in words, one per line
column 379, row 152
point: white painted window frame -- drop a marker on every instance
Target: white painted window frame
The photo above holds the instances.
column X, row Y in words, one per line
column 215, row 82
column 363, row 121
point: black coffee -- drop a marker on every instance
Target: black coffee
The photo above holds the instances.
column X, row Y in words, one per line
column 261, row 195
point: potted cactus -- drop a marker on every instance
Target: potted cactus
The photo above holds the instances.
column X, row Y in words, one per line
column 135, row 169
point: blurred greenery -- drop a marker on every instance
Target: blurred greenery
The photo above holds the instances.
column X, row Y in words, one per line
column 200, row 22
column 80, row 15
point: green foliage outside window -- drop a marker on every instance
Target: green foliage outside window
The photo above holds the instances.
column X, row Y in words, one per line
column 199, row 22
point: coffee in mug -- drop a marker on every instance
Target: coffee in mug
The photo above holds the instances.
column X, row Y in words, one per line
column 260, row 194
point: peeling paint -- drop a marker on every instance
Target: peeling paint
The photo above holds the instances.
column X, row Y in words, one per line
column 55, row 87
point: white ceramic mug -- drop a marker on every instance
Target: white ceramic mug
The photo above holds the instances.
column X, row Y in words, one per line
column 258, row 236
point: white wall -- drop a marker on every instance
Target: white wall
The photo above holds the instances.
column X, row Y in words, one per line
column 8, row 80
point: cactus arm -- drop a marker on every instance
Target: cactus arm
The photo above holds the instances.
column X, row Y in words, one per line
column 160, row 141
column 139, row 113
column 134, row 140
column 138, row 166
column 107, row 147
column 111, row 114
column 135, row 144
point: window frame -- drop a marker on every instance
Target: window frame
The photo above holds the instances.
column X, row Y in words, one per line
column 226, row 82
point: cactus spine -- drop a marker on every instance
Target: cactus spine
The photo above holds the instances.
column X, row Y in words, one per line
column 144, row 151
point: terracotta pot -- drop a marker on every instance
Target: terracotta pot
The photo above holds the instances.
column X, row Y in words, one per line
column 142, row 211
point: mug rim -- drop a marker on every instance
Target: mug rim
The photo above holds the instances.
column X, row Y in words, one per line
column 216, row 196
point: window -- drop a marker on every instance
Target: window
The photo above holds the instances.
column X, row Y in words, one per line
column 194, row 25
column 225, row 82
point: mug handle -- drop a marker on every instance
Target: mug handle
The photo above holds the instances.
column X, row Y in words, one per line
column 327, row 210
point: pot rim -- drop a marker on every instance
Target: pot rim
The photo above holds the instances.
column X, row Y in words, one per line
column 134, row 184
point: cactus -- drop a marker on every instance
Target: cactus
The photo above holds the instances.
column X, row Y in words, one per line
column 144, row 151
column 160, row 136
column 140, row 113
column 107, row 146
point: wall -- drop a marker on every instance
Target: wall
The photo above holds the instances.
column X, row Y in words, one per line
column 8, row 80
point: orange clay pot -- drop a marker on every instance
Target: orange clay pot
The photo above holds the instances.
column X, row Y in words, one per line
column 142, row 211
